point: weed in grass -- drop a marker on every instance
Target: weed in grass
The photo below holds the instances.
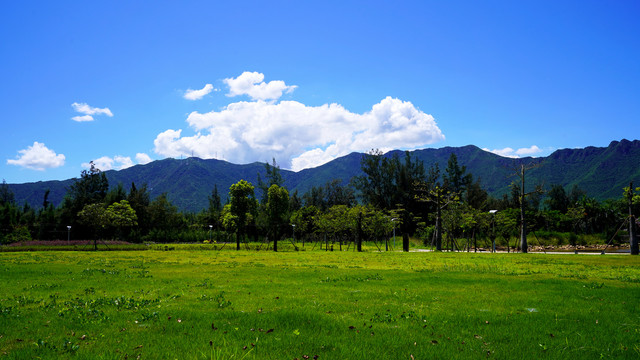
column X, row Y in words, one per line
column 594, row 285
column 148, row 316
column 5, row 311
column 353, row 278
column 41, row 286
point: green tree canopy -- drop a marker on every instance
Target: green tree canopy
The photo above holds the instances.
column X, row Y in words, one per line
column 242, row 203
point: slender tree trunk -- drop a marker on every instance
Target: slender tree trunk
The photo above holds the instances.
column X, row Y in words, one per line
column 633, row 240
column 438, row 225
column 523, row 223
column 359, row 233
column 275, row 240
column 405, row 242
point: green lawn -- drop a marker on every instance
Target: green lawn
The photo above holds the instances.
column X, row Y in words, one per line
column 187, row 304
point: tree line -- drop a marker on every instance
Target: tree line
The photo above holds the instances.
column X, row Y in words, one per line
column 445, row 208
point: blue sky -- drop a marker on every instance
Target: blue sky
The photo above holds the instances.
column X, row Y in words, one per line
column 305, row 82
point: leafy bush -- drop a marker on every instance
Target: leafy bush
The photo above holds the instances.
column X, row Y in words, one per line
column 19, row 234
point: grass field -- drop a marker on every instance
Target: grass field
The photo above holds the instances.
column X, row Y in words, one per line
column 186, row 304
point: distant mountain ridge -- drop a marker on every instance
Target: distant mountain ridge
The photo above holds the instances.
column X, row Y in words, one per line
column 601, row 171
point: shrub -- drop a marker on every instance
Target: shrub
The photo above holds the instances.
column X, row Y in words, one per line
column 20, row 233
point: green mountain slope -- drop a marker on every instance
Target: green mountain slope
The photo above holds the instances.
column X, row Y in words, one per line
column 601, row 172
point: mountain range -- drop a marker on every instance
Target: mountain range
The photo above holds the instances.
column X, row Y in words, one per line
column 600, row 171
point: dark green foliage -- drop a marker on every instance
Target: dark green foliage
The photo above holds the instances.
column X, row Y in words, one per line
column 331, row 194
column 164, row 215
column 388, row 183
column 455, row 178
column 139, row 202
column 274, row 177
column 91, row 188
column 115, row 194
column 277, row 209
column 295, row 202
column 600, row 172
column 6, row 195
column 557, row 199
column 242, row 204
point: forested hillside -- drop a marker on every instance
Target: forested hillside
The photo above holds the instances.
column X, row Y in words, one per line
column 601, row 172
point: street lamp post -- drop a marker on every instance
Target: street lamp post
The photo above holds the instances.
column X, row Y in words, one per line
column 210, row 228
column 68, row 234
column 493, row 237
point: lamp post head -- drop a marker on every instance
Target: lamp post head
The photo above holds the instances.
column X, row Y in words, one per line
column 493, row 211
column 68, row 227
column 210, row 226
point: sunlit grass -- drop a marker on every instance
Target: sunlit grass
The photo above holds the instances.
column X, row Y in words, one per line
column 333, row 305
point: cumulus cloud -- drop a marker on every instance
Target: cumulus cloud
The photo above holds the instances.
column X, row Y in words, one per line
column 143, row 158
column 198, row 94
column 38, row 157
column 118, row 162
column 88, row 112
column 299, row 136
column 253, row 85
column 107, row 163
column 530, row 151
column 511, row 153
column 82, row 118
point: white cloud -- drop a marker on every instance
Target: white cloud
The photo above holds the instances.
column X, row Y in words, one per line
column 106, row 163
column 118, row 162
column 38, row 157
column 530, row 151
column 252, row 84
column 511, row 153
column 82, row 118
column 198, row 94
column 297, row 135
column 143, row 158
column 88, row 111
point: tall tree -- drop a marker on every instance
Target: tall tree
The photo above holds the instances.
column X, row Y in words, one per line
column 632, row 199
column 116, row 194
column 557, row 199
column 377, row 186
column 388, row 183
column 91, row 188
column 476, row 196
column 521, row 172
column 336, row 194
column 433, row 193
column 242, row 202
column 121, row 216
column 277, row 211
column 455, row 178
column 6, row 195
column 215, row 203
column 215, row 207
column 295, row 202
column 315, row 197
column 274, row 177
column 163, row 215
column 139, row 201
